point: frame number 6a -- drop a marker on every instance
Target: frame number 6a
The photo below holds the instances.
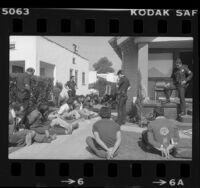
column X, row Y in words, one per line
column 171, row 182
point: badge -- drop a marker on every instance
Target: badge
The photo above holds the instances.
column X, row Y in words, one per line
column 164, row 131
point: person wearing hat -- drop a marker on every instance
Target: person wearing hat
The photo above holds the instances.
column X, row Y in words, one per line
column 122, row 87
column 181, row 76
column 23, row 84
column 23, row 87
column 71, row 87
column 161, row 135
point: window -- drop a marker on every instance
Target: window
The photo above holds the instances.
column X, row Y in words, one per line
column 74, row 60
column 83, row 78
column 76, row 77
column 70, row 73
column 160, row 65
column 17, row 69
column 42, row 71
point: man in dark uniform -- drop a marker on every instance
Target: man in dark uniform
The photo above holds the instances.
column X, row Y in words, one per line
column 71, row 87
column 181, row 76
column 122, row 97
column 23, row 87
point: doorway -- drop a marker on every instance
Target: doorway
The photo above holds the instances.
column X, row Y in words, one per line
column 187, row 59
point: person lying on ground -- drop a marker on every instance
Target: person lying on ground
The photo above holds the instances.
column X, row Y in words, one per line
column 162, row 134
column 39, row 121
column 18, row 137
column 107, row 136
column 23, row 136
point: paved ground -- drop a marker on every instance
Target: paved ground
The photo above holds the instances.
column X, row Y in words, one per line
column 74, row 146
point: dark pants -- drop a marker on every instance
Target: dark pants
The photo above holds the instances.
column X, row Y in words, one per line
column 72, row 93
column 148, row 146
column 96, row 148
column 23, row 98
column 181, row 94
column 121, row 110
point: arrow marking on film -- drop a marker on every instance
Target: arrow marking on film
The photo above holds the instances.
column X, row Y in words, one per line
column 69, row 181
column 160, row 182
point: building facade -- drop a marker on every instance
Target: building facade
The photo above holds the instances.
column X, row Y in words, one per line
column 153, row 59
column 48, row 59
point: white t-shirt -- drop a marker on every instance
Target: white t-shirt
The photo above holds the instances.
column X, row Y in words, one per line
column 63, row 108
column 64, row 93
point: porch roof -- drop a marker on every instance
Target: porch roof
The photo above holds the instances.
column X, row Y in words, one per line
column 154, row 42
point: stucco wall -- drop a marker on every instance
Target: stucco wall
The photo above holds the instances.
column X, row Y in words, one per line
column 25, row 50
column 50, row 52
column 130, row 67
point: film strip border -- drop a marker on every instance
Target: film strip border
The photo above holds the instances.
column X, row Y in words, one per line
column 80, row 22
column 113, row 173
column 101, row 173
column 114, row 26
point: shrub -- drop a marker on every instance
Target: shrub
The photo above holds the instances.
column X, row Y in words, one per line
column 100, row 85
column 41, row 89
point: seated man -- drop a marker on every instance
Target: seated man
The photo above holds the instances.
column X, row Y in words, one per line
column 83, row 112
column 21, row 137
column 50, row 124
column 162, row 134
column 107, row 136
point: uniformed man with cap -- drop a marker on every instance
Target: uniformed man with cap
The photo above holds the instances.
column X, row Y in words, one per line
column 122, row 88
column 181, row 76
column 23, row 87
column 71, row 86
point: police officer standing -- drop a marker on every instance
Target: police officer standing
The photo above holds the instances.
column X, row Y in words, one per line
column 24, row 88
column 71, row 87
column 181, row 76
column 122, row 87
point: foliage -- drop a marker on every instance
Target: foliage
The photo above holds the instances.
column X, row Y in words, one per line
column 41, row 89
column 103, row 65
column 101, row 84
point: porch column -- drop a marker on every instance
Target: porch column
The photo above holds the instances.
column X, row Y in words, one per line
column 143, row 51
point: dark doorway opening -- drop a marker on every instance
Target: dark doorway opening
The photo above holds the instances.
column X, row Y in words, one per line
column 187, row 59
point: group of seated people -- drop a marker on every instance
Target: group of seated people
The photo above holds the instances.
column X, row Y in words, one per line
column 43, row 123
column 161, row 136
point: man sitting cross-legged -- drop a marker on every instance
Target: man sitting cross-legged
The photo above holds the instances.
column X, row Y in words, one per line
column 107, row 136
column 161, row 135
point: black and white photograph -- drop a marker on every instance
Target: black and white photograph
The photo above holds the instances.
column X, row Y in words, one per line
column 100, row 98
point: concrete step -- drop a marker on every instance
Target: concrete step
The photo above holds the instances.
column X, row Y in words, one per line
column 185, row 119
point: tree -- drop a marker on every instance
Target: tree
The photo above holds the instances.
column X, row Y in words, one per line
column 103, row 65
